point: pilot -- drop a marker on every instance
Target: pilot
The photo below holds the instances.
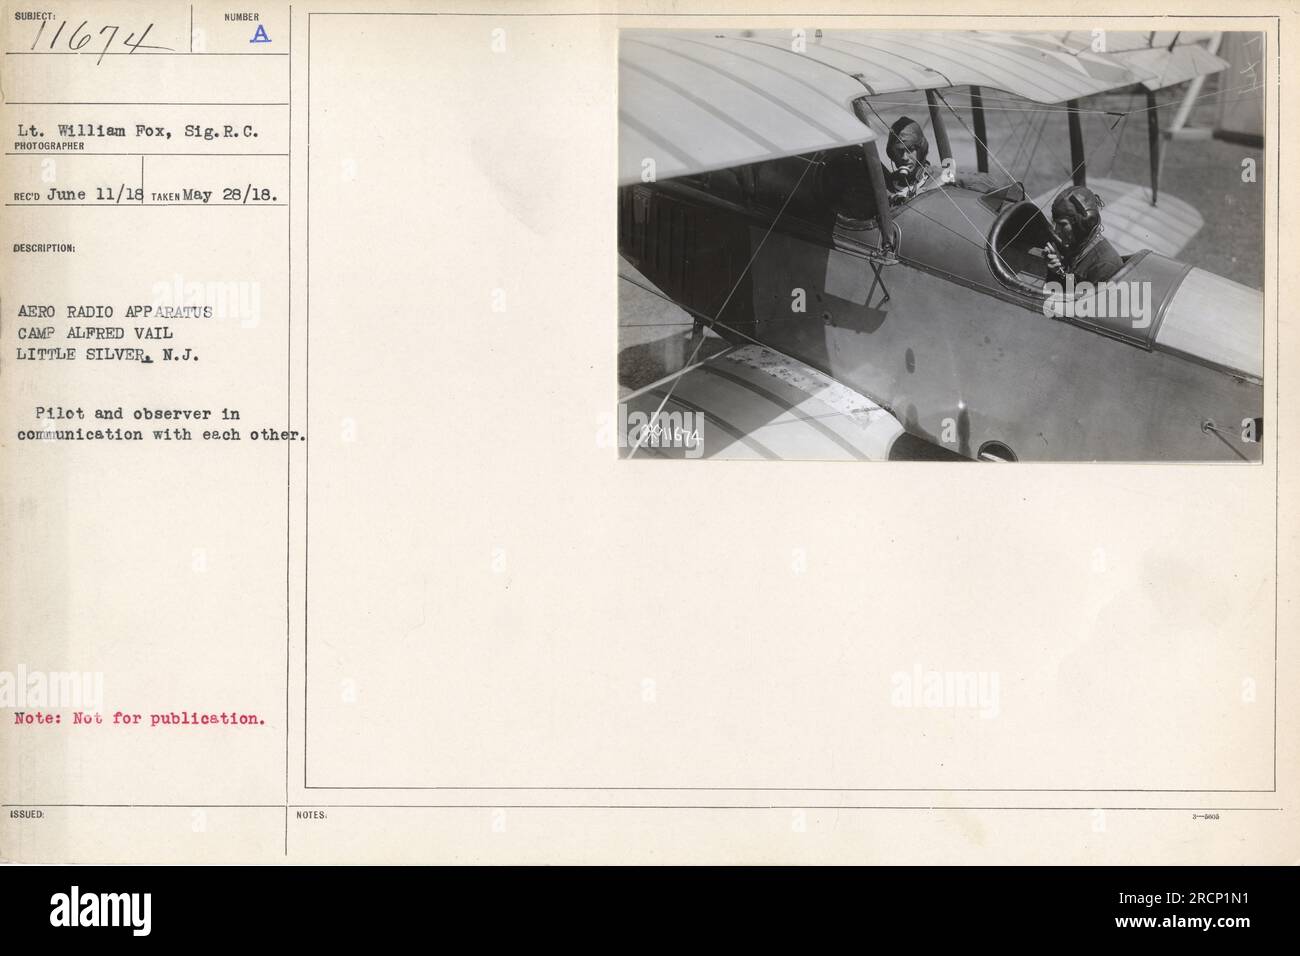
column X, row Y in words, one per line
column 1080, row 250
column 908, row 150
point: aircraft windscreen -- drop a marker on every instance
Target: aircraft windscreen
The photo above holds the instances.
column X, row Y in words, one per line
column 1017, row 238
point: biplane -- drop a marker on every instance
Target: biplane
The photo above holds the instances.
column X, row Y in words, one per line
column 753, row 196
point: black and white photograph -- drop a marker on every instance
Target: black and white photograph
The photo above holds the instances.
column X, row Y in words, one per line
column 843, row 244
column 334, row 337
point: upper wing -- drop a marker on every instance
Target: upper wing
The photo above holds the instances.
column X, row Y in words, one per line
column 1035, row 66
column 1123, row 41
column 1172, row 66
column 694, row 102
column 1166, row 56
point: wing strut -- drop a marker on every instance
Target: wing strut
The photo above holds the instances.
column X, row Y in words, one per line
column 1079, row 169
column 1153, row 143
column 981, row 135
column 936, row 123
column 876, row 173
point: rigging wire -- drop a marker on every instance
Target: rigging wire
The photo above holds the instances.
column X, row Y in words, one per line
column 1038, row 141
column 990, row 102
column 1026, row 128
column 983, row 144
column 979, row 236
column 727, row 301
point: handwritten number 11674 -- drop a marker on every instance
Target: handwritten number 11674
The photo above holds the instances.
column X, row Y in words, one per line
column 81, row 37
